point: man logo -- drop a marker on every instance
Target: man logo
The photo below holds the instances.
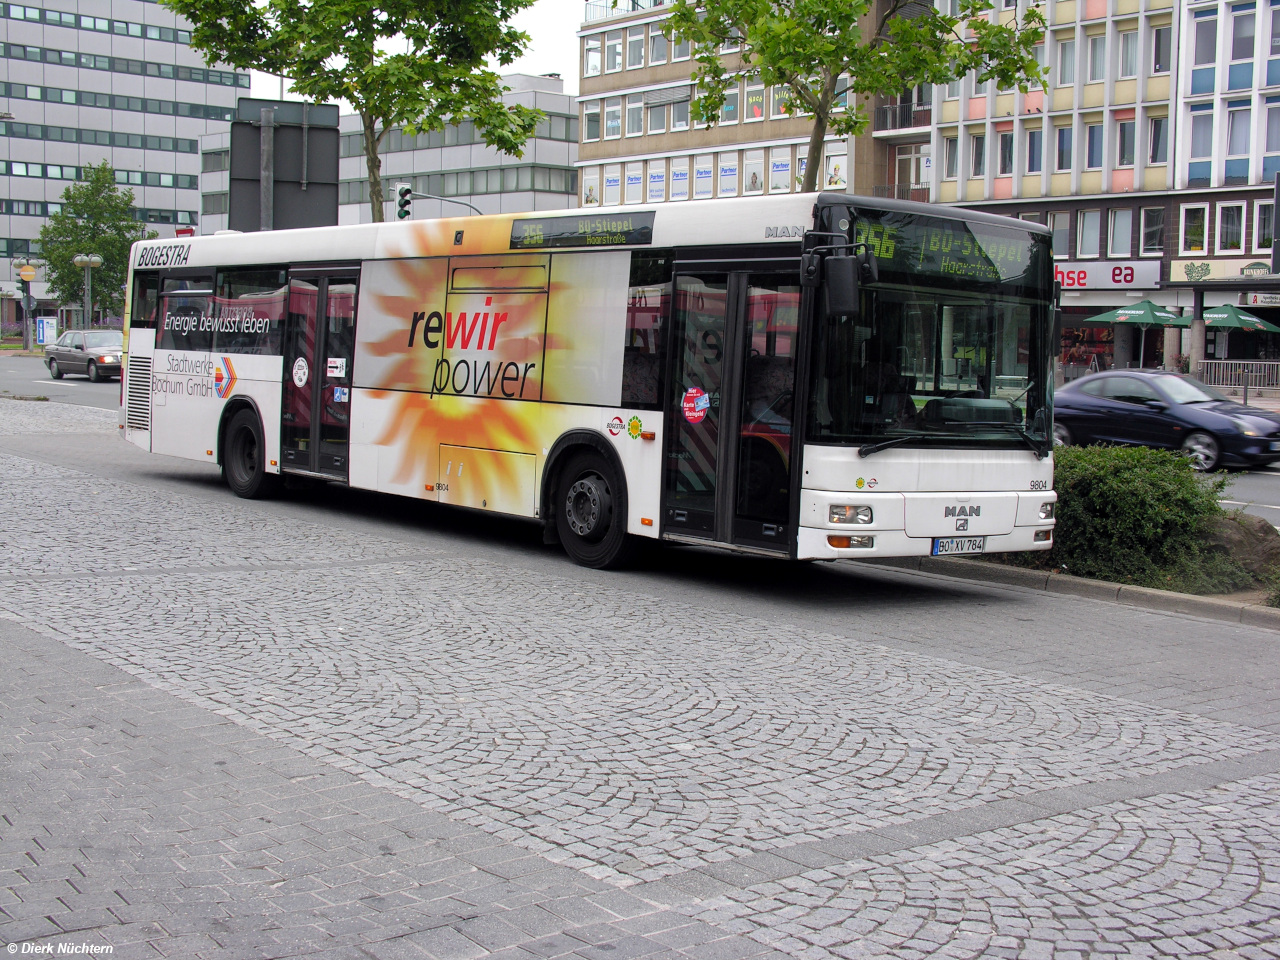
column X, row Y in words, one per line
column 962, row 511
column 962, row 524
column 771, row 232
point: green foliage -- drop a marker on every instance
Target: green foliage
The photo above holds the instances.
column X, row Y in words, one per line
column 1137, row 515
column 419, row 64
column 96, row 217
column 806, row 45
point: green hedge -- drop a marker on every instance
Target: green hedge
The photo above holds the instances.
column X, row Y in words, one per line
column 1136, row 515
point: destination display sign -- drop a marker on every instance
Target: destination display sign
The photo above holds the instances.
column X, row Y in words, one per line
column 585, row 230
column 950, row 249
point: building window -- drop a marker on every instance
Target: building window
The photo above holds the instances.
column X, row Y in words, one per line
column 1006, row 154
column 1088, row 233
column 980, row 87
column 680, row 178
column 978, row 153
column 657, row 192
column 1037, row 53
column 591, row 187
column 591, row 57
column 1093, row 146
column 1097, row 58
column 1152, row 231
column 1120, row 235
column 733, row 44
column 951, row 157
column 635, row 48
column 780, row 170
column 752, row 172
column 1238, row 122
column 1035, row 151
column 612, row 119
column 1125, row 133
column 1201, row 135
column 779, row 105
column 1064, row 149
column 680, row 115
column 1275, row 32
column 753, row 101
column 1129, row 54
column 612, row 184
column 1161, row 44
column 1242, row 30
column 657, row 46
column 1263, row 225
column 635, row 115
column 1273, row 128
column 613, row 52
column 1205, row 48
column 952, row 91
column 1194, row 222
column 679, row 49
column 634, row 192
column 729, row 110
column 1066, row 63
column 1230, row 227
column 1060, row 224
column 590, row 121
column 658, row 119
column 703, row 176
column 1159, row 139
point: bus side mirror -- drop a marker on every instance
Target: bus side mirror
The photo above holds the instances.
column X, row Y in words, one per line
column 810, row 269
column 841, row 287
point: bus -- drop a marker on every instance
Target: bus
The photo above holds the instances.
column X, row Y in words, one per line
column 812, row 377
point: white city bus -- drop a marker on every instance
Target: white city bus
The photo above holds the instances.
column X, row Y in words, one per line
column 812, row 377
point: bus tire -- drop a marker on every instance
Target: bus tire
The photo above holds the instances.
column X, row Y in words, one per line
column 591, row 513
column 244, row 464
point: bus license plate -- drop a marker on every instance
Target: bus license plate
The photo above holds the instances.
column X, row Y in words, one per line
column 951, row 546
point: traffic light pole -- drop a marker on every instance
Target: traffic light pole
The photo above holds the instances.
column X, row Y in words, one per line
column 405, row 194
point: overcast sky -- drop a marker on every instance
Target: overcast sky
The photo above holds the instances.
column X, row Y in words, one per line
column 552, row 25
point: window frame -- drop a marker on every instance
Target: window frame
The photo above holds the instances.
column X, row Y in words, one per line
column 1097, row 47
column 1234, row 125
column 1093, row 146
column 1183, row 249
column 977, row 156
column 1143, row 249
column 616, row 43
column 1197, row 30
column 655, row 33
column 1038, row 152
column 649, row 110
column 950, row 158
column 617, row 107
column 748, row 88
column 1113, row 215
column 1067, row 63
column 1053, row 219
column 634, row 101
column 596, row 40
column 1220, row 222
column 1154, row 141
column 1237, row 17
column 635, row 34
column 1004, row 152
column 1159, row 49
column 675, row 127
column 1128, row 58
column 1059, row 152
column 1258, row 206
column 1083, row 234
column 587, row 110
column 1132, row 139
column 1191, row 136
column 734, row 93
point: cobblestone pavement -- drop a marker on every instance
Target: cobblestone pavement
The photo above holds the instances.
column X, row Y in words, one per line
column 249, row 730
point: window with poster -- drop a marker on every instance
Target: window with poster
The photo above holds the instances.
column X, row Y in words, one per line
column 835, row 172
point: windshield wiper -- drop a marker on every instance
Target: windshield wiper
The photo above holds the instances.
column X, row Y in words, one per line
column 867, row 449
column 1040, row 451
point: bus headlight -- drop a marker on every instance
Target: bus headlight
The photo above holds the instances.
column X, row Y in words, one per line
column 1047, row 511
column 845, row 543
column 843, row 514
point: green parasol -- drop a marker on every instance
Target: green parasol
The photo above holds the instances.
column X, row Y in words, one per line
column 1143, row 314
column 1229, row 317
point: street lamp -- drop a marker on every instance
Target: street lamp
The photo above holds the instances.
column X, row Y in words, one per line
column 88, row 261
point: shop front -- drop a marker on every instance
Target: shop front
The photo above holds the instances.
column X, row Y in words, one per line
column 1093, row 288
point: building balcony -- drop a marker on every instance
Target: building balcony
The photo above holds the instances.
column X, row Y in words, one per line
column 902, row 117
column 605, row 9
column 902, row 191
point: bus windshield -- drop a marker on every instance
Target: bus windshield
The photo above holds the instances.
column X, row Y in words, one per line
column 951, row 347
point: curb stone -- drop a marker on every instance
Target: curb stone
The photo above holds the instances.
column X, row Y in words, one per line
column 1166, row 601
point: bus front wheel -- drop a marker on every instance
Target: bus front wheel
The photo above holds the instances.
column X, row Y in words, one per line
column 591, row 513
column 244, row 465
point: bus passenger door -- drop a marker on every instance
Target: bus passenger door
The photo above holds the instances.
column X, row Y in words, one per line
column 727, row 476
column 315, row 430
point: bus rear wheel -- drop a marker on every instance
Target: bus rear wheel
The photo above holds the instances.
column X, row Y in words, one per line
column 244, row 466
column 591, row 513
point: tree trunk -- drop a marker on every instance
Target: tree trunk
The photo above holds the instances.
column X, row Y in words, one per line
column 373, row 164
column 821, row 118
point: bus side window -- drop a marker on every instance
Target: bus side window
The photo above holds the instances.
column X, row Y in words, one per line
column 249, row 308
column 184, row 314
column 146, row 297
column 648, row 313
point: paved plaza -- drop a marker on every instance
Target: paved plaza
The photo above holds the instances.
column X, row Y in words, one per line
column 344, row 725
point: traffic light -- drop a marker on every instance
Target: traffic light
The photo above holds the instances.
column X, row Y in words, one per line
column 405, row 192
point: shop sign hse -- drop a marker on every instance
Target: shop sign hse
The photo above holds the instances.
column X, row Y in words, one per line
column 1107, row 274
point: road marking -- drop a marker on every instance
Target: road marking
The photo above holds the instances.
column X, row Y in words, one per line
column 1248, row 503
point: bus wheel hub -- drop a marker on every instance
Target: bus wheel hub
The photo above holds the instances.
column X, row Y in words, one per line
column 583, row 506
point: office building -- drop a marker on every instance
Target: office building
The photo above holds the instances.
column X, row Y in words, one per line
column 89, row 80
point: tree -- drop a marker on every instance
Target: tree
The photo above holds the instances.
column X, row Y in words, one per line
column 415, row 63
column 806, row 46
column 96, row 217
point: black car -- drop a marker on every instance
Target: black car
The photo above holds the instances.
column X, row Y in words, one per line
column 95, row 353
column 1152, row 408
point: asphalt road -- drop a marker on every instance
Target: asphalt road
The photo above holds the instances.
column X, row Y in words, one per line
column 28, row 377
column 340, row 724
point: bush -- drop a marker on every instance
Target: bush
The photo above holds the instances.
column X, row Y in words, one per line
column 1137, row 515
